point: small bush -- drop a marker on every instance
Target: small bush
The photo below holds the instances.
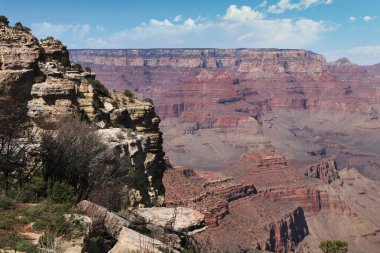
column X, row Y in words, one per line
column 48, row 216
column 99, row 88
column 47, row 38
column 33, row 191
column 6, row 221
column 128, row 93
column 65, row 61
column 5, row 203
column 333, row 246
column 149, row 100
column 26, row 247
column 42, row 54
column 21, row 27
column 9, row 240
column 47, row 240
column 62, row 193
column 87, row 69
column 4, row 20
column 77, row 67
column 39, row 79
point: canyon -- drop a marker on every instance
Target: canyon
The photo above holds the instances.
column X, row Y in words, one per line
column 276, row 147
column 266, row 149
column 228, row 102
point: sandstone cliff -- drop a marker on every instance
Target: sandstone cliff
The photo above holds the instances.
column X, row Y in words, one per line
column 19, row 54
column 40, row 78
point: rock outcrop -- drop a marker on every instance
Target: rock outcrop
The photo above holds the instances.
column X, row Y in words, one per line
column 131, row 241
column 55, row 50
column 176, row 219
column 325, row 171
column 251, row 224
column 111, row 222
column 19, row 54
column 40, row 80
column 208, row 193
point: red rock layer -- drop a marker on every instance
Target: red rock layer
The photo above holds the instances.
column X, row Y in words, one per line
column 216, row 88
column 256, row 224
column 325, row 170
column 276, row 181
column 207, row 193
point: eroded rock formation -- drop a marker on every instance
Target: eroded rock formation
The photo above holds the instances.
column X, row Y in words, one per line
column 325, row 171
column 19, row 54
column 40, row 80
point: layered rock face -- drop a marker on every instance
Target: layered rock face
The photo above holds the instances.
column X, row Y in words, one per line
column 206, row 192
column 19, row 54
column 326, row 171
column 40, row 80
column 55, row 50
column 216, row 101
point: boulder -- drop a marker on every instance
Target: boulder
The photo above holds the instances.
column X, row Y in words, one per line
column 111, row 221
column 177, row 219
column 131, row 241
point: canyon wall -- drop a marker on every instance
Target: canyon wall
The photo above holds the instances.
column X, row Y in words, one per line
column 224, row 102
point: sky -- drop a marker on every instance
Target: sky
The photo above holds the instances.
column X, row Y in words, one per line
column 334, row 28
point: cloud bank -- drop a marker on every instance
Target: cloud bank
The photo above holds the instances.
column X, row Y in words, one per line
column 238, row 27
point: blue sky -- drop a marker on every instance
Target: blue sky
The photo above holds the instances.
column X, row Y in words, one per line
column 335, row 28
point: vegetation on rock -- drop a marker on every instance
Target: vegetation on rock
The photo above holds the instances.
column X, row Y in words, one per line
column 4, row 20
column 73, row 154
column 334, row 246
column 99, row 89
column 21, row 27
column 39, row 79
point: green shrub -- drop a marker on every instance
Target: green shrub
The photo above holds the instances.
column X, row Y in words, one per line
column 62, row 193
column 65, row 61
column 5, row 203
column 9, row 240
column 42, row 54
column 333, row 246
column 47, row 240
column 26, row 247
column 99, row 88
column 77, row 67
column 48, row 216
column 4, row 20
column 87, row 69
column 128, row 93
column 149, row 100
column 21, row 27
column 39, row 79
column 33, row 191
column 6, row 221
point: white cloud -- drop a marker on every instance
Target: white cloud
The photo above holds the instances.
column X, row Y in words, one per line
column 288, row 5
column 42, row 30
column 263, row 4
column 365, row 55
column 352, row 19
column 245, row 13
column 369, row 18
column 238, row 27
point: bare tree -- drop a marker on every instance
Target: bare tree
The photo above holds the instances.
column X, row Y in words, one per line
column 16, row 141
column 73, row 154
